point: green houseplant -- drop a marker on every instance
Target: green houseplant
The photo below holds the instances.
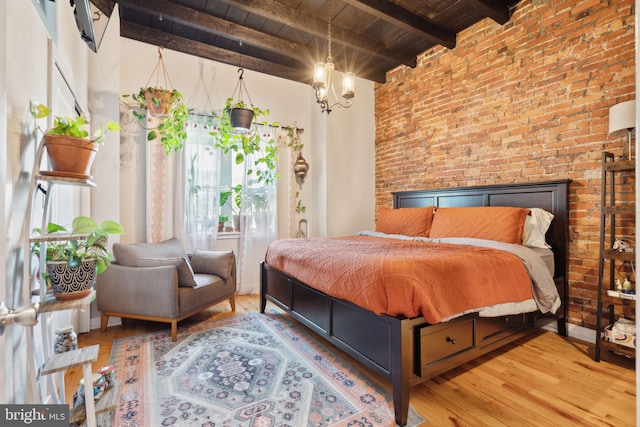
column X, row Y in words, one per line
column 232, row 197
column 69, row 148
column 74, row 259
column 244, row 143
column 259, row 204
column 170, row 108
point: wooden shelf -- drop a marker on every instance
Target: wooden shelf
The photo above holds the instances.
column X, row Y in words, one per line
column 619, row 301
column 108, row 402
column 617, row 348
column 52, row 304
column 57, row 237
column 70, row 359
column 83, row 182
column 623, row 256
column 629, row 209
column 620, row 165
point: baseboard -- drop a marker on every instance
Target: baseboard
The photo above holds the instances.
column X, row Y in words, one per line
column 113, row 321
column 574, row 331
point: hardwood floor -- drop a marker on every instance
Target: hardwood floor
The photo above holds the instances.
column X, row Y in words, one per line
column 543, row 379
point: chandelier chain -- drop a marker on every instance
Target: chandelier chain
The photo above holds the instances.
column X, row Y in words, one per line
column 329, row 57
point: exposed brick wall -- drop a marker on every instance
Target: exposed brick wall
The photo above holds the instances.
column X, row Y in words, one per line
column 522, row 102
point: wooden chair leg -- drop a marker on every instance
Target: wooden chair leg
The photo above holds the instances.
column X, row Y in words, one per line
column 174, row 330
column 104, row 319
column 232, row 301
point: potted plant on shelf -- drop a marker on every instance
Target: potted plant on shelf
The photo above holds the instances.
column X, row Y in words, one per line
column 232, row 196
column 259, row 204
column 222, row 220
column 69, row 148
column 74, row 259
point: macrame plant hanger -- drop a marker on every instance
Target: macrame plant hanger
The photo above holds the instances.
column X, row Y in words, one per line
column 159, row 96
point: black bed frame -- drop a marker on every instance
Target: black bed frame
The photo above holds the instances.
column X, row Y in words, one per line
column 410, row 351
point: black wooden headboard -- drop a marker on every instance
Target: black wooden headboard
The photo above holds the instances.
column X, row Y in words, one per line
column 550, row 196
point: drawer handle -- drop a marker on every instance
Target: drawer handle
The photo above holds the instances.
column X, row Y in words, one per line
column 451, row 340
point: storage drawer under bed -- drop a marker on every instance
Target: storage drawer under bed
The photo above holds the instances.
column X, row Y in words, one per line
column 439, row 342
column 490, row 329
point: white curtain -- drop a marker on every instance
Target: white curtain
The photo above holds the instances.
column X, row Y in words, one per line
column 183, row 189
column 258, row 219
column 165, row 204
column 202, row 191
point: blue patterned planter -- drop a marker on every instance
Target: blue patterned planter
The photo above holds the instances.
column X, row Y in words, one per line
column 72, row 282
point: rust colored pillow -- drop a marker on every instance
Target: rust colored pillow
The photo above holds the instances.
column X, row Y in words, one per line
column 499, row 223
column 405, row 221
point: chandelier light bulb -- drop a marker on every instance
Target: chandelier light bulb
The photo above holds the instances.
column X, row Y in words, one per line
column 348, row 86
column 319, row 76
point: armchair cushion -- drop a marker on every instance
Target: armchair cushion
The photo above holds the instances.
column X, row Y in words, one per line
column 219, row 263
column 127, row 254
column 185, row 273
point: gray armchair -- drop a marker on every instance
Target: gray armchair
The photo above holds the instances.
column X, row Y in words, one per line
column 161, row 282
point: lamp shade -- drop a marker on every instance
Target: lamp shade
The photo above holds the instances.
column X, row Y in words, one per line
column 622, row 117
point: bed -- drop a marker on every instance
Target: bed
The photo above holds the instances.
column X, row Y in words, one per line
column 408, row 350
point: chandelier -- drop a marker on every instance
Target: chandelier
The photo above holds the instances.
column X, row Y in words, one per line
column 323, row 80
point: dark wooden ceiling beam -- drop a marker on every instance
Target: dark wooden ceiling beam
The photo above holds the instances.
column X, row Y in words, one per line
column 493, row 9
column 301, row 21
column 214, row 25
column 203, row 50
column 409, row 21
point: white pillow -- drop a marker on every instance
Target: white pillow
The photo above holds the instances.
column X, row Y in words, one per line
column 535, row 228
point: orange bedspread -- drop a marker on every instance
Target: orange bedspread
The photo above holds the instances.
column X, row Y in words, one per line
column 404, row 278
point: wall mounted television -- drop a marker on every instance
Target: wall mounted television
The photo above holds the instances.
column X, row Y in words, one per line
column 92, row 18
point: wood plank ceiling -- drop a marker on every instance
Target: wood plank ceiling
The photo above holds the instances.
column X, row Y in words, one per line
column 284, row 38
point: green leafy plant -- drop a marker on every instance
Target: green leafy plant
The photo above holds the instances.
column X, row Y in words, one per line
column 87, row 239
column 71, row 126
column 300, row 208
column 246, row 143
column 259, row 198
column 172, row 129
column 231, row 196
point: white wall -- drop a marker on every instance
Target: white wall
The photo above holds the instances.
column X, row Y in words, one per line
column 24, row 78
column 27, row 69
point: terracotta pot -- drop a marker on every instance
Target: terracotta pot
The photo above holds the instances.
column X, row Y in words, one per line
column 165, row 102
column 70, row 156
column 241, row 118
column 72, row 282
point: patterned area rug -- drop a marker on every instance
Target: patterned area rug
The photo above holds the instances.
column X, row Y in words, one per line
column 257, row 370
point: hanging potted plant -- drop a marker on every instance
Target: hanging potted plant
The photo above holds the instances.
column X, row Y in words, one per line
column 240, row 113
column 167, row 105
column 70, row 150
column 244, row 142
column 73, row 261
column 240, row 116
